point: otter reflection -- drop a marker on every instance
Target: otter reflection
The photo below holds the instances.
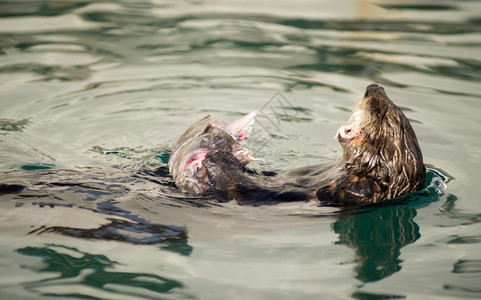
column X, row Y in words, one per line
column 377, row 237
column 89, row 270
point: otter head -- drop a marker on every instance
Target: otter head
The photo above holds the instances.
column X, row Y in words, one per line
column 382, row 158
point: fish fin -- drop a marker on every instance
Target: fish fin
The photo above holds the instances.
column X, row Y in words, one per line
column 241, row 129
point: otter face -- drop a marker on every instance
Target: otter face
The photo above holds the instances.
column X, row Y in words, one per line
column 382, row 157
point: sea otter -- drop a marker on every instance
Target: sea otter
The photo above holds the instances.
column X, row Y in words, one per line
column 381, row 160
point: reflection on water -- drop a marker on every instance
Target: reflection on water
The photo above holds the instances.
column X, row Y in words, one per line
column 377, row 237
column 470, row 270
column 136, row 233
column 75, row 269
column 98, row 191
column 87, row 84
column 7, row 125
column 450, row 211
column 378, row 233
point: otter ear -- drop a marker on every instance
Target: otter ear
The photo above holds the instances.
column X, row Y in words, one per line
column 240, row 129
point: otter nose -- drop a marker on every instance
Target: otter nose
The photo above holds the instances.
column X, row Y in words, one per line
column 371, row 89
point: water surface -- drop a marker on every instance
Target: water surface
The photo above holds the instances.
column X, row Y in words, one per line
column 94, row 93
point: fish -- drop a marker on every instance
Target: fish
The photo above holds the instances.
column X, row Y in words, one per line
column 207, row 135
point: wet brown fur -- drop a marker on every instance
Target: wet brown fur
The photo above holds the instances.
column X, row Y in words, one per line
column 387, row 161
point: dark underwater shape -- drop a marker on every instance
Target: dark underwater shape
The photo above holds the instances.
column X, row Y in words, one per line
column 124, row 231
column 100, row 275
column 98, row 191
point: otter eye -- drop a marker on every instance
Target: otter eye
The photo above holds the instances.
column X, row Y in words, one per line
column 371, row 88
column 366, row 94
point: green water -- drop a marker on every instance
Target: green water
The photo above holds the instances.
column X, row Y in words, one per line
column 88, row 85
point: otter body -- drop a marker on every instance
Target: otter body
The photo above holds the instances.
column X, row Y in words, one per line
column 381, row 160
